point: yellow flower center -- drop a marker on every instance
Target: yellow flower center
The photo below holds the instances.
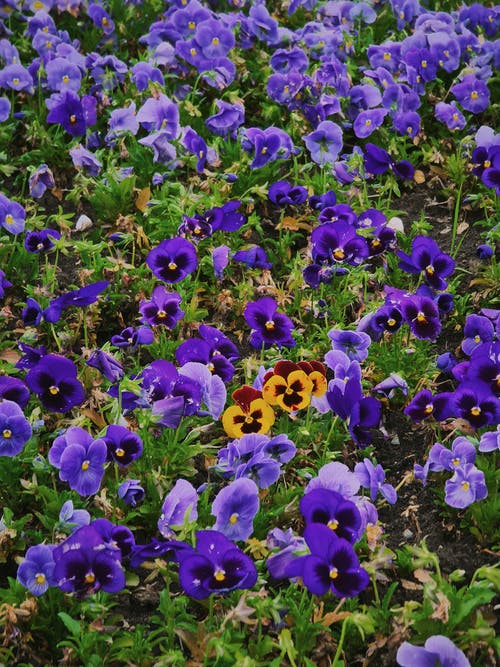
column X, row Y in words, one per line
column 455, row 462
column 161, row 314
column 104, row 21
column 40, row 578
column 486, row 164
column 215, row 41
column 474, row 95
column 429, row 269
column 477, row 338
column 54, row 390
column 269, row 325
column 219, row 575
column 65, row 78
column 85, row 465
column 475, row 411
column 387, row 56
column 428, row 408
column 200, row 154
column 264, row 150
column 424, row 63
column 421, row 317
column 15, row 81
column 192, row 52
column 89, row 578
column 211, row 367
column 368, row 122
column 72, row 119
column 455, row 116
column 7, row 433
column 465, row 486
column 391, row 322
column 333, row 524
column 233, row 518
column 191, row 25
column 172, row 266
column 120, row 452
column 339, row 253
column 334, row 573
column 9, row 219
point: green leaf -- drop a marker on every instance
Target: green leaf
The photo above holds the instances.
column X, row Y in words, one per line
column 70, row 623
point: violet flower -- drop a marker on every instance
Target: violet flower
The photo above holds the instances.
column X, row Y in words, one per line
column 84, row 564
column 437, row 650
column 14, row 389
column 172, row 260
column 429, row 260
column 472, row 94
column 106, row 364
column 85, row 296
column 465, row 487
column 477, row 330
column 83, row 467
column 179, row 504
column 227, row 120
column 131, row 492
column 235, row 507
column 353, row 343
column 268, row 326
column 282, row 193
column 15, row 429
column 36, row 572
column 124, row 446
column 331, row 509
column 41, row 241
column 324, row 143
column 12, row 215
column 216, row 566
column 490, row 441
column 85, row 159
column 69, row 111
column 133, row 337
column 422, row 316
column 254, row 257
column 163, row 309
column 41, row 180
column 373, row 478
column 425, row 405
column 332, row 565
column 54, row 380
column 71, row 519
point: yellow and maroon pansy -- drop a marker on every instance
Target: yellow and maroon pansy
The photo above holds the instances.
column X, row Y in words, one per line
column 289, row 387
column 316, row 372
column 251, row 414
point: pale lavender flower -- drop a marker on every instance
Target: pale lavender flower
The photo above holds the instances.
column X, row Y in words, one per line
column 181, row 503
column 235, row 507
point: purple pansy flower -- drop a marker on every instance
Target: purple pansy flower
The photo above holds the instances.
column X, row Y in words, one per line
column 131, row 492
column 324, row 143
column 429, row 260
column 331, row 509
column 54, row 380
column 72, row 519
column 268, row 326
column 108, row 365
column 216, row 566
column 14, row 389
column 422, row 316
column 124, row 446
column 438, row 651
column 373, row 478
column 36, row 572
column 12, row 215
column 354, row 344
column 41, row 180
column 163, row 309
column 235, row 507
column 83, row 467
column 15, row 429
column 465, row 487
column 172, row 260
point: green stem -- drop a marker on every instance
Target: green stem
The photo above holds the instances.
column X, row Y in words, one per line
column 336, row 659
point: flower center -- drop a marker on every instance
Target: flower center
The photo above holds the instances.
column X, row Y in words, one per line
column 387, row 56
column 215, row 41
column 429, row 269
column 465, row 486
column 161, row 314
column 120, row 452
column 191, row 25
column 15, row 81
column 172, row 266
column 486, row 164
column 334, row 573
column 40, row 578
column 85, row 464
column 333, row 524
column 428, row 408
column 391, row 322
column 477, row 339
column 65, row 78
column 233, row 518
column 72, row 119
column 264, row 150
column 269, row 325
column 9, row 219
column 474, row 95
column 368, row 122
column 421, row 317
column 89, row 578
column 219, row 575
column 192, row 52
column 338, row 253
column 7, row 433
column 475, row 411
column 455, row 462
column 211, row 367
column 54, row 390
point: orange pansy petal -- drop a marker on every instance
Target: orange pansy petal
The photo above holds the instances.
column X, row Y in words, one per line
column 274, row 387
column 320, row 385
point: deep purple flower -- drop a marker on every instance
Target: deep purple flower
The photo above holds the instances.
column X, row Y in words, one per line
column 31, row 356
column 422, row 316
column 477, row 330
column 373, row 478
column 131, row 492
column 438, row 651
column 474, row 402
column 425, row 405
column 115, row 537
column 14, row 389
column 331, row 566
column 124, row 446
column 338, row 242
column 31, row 313
column 332, row 510
column 15, row 429
column 180, row 503
column 4, row 284
column 217, row 566
column 163, row 309
column 133, row 337
column 465, row 487
column 67, row 109
column 282, row 193
column 201, row 351
column 376, row 159
column 54, row 380
column 172, row 260
column 195, row 144
column 429, row 260
column 36, row 572
column 268, row 326
column 84, row 564
column 484, row 251
column 142, row 73
column 41, row 241
column 167, row 550
column 364, row 418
